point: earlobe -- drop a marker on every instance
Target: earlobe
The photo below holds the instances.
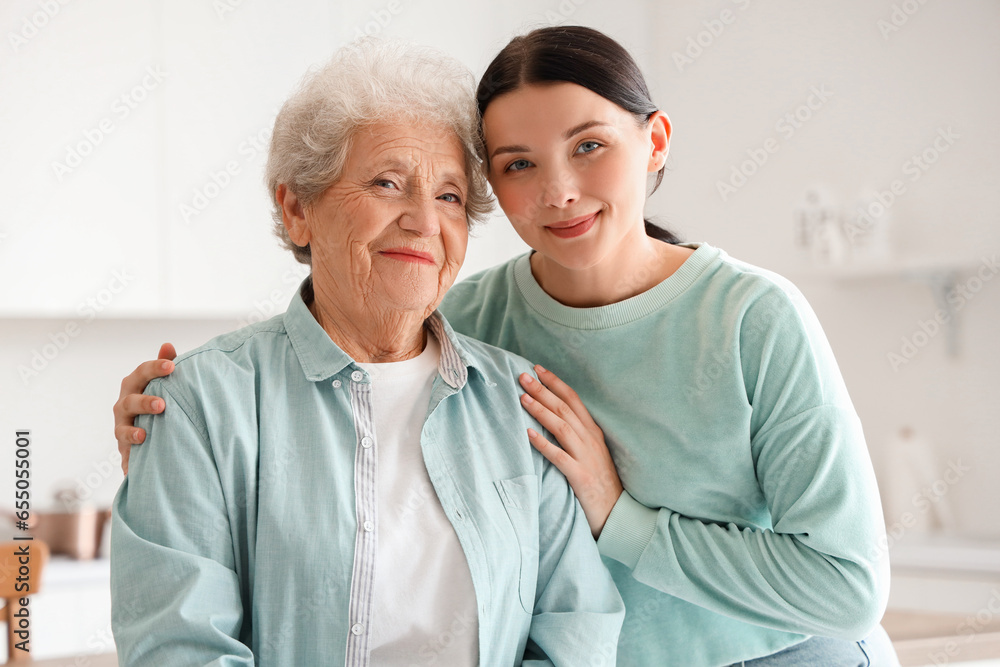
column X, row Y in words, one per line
column 659, row 134
column 293, row 216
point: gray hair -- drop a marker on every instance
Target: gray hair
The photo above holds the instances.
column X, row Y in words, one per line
column 366, row 82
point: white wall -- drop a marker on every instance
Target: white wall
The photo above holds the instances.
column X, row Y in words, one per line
column 889, row 97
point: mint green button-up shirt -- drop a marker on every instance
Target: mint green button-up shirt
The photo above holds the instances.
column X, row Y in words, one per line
column 238, row 535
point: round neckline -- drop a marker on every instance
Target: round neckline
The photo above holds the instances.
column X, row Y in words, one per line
column 614, row 314
column 424, row 363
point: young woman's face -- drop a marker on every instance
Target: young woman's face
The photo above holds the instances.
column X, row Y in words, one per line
column 569, row 169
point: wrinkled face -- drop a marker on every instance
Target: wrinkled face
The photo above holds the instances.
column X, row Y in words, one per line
column 569, row 169
column 391, row 233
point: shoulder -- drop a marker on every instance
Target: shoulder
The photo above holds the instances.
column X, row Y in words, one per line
column 222, row 366
column 474, row 304
column 492, row 358
column 737, row 292
column 495, row 279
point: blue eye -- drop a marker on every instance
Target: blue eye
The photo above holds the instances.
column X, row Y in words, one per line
column 455, row 199
column 385, row 183
column 588, row 147
column 518, row 165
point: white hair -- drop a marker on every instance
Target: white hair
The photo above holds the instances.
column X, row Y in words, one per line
column 367, row 82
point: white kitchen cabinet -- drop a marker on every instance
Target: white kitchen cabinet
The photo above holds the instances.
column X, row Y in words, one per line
column 115, row 116
column 79, row 119
column 230, row 70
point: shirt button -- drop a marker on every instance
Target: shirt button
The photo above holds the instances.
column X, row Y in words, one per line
column 369, row 526
column 336, row 384
column 357, row 376
column 367, row 442
column 357, row 629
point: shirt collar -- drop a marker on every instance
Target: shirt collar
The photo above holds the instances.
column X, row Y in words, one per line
column 321, row 358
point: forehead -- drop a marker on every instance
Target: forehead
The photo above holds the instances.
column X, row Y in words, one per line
column 547, row 109
column 427, row 149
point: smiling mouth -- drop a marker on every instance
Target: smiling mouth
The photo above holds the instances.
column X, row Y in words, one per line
column 575, row 227
column 408, row 255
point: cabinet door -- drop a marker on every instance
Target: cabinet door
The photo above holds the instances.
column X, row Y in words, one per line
column 232, row 64
column 79, row 118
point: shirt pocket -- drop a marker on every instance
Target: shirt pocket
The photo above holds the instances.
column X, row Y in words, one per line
column 520, row 499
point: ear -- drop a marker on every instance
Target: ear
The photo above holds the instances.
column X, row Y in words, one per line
column 293, row 216
column 659, row 129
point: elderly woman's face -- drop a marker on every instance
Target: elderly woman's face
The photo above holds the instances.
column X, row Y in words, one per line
column 392, row 231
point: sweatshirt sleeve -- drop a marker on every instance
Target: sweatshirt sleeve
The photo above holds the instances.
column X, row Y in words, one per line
column 821, row 568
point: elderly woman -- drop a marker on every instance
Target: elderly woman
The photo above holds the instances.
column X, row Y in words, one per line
column 350, row 482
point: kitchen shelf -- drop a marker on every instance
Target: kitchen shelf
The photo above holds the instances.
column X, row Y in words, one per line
column 940, row 275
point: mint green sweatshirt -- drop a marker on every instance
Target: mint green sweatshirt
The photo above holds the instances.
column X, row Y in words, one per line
column 751, row 516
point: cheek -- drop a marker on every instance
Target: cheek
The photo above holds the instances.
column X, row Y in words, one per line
column 516, row 199
column 620, row 182
column 456, row 242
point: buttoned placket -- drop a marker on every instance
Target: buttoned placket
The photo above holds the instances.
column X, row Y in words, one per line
column 366, row 503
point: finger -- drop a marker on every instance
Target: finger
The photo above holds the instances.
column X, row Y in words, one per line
column 124, row 452
column 566, row 393
column 556, row 455
column 541, row 393
column 564, row 432
column 128, row 435
column 128, row 407
column 136, row 381
column 140, row 404
column 167, row 352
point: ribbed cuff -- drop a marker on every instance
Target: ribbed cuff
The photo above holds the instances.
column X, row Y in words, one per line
column 627, row 531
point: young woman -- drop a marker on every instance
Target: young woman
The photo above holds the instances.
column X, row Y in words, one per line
column 728, row 482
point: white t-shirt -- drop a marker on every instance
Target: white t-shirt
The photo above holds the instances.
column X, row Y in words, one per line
column 425, row 605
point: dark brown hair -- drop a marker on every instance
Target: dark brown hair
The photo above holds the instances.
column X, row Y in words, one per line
column 573, row 54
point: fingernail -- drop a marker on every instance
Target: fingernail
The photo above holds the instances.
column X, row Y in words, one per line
column 165, row 366
column 532, row 433
column 527, row 379
column 135, row 435
column 540, row 368
column 527, row 399
column 157, row 404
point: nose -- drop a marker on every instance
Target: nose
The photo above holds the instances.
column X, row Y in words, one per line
column 422, row 218
column 559, row 189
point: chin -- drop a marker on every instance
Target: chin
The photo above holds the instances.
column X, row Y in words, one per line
column 575, row 257
column 406, row 299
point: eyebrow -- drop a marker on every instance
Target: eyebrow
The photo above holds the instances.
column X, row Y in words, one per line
column 577, row 129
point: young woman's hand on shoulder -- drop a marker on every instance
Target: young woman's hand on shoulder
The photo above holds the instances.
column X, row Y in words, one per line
column 583, row 455
column 132, row 402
